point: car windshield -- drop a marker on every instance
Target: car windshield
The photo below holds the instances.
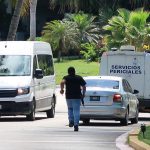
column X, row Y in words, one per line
column 102, row 83
column 15, row 65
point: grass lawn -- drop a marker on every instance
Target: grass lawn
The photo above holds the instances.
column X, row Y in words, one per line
column 147, row 136
column 82, row 68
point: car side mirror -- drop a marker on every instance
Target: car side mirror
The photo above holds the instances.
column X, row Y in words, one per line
column 38, row 74
column 135, row 92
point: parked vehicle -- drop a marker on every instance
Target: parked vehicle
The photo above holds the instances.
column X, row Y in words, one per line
column 109, row 97
column 133, row 66
column 27, row 79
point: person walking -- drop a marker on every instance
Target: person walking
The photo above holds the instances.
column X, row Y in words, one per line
column 74, row 91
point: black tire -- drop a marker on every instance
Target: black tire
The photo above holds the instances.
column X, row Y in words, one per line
column 135, row 120
column 31, row 116
column 126, row 119
column 86, row 121
column 51, row 112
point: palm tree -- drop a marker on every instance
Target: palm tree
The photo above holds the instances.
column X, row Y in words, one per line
column 15, row 20
column 33, row 4
column 89, row 30
column 21, row 9
column 63, row 35
column 137, row 33
column 127, row 28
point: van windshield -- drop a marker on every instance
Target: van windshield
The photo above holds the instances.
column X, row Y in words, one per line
column 15, row 65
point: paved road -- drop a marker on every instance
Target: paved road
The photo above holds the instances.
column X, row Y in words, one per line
column 54, row 134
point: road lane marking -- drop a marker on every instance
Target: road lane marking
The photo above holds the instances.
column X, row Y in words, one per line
column 57, row 141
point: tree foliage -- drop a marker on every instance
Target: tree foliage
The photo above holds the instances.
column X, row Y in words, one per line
column 93, row 6
column 63, row 35
column 89, row 30
column 128, row 28
column 90, row 51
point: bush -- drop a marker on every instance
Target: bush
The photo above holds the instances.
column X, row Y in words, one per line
column 90, row 51
column 145, row 139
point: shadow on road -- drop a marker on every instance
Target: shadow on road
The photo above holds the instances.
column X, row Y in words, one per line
column 144, row 119
column 104, row 124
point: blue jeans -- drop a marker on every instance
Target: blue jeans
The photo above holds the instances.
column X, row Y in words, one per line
column 73, row 110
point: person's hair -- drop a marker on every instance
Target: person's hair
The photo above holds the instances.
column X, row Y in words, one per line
column 71, row 71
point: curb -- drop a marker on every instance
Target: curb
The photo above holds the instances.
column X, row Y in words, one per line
column 122, row 143
column 135, row 143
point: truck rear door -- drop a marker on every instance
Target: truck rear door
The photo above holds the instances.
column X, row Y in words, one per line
column 129, row 65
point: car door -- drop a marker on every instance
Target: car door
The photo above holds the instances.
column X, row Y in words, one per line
column 132, row 100
column 127, row 96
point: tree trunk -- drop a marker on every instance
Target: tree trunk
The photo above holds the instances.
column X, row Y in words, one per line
column 15, row 21
column 33, row 4
column 61, row 48
column 59, row 56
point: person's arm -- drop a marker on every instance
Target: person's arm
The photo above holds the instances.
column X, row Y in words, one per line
column 62, row 83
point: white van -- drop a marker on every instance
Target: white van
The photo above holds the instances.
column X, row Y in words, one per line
column 27, row 79
column 133, row 66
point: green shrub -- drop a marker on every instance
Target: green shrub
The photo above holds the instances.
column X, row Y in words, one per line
column 146, row 138
column 90, row 51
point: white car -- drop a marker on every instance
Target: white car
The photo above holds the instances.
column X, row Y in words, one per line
column 109, row 97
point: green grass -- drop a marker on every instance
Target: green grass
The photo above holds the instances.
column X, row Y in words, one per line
column 82, row 68
column 147, row 136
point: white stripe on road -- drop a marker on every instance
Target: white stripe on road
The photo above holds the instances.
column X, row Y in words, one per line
column 81, row 141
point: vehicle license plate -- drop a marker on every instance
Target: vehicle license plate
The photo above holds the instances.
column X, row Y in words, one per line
column 94, row 98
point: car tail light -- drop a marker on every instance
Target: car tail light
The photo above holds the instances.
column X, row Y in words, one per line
column 117, row 98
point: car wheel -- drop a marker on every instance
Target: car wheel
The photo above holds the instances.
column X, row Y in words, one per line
column 51, row 112
column 86, row 121
column 126, row 119
column 135, row 120
column 31, row 116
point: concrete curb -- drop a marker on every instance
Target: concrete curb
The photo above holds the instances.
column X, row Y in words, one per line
column 135, row 143
column 122, row 143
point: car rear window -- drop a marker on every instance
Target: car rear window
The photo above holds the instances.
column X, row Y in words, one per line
column 103, row 83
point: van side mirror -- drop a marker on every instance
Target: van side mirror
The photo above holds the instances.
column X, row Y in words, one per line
column 38, row 74
column 135, row 92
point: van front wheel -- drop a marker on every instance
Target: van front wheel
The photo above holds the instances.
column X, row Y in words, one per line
column 31, row 116
column 51, row 112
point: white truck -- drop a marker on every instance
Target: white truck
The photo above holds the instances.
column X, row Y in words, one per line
column 132, row 65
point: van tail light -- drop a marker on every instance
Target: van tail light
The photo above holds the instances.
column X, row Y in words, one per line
column 117, row 98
